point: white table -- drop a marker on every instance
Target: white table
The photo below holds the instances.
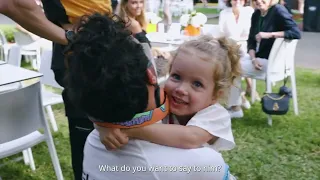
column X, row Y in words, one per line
column 11, row 74
column 2, row 62
column 158, row 39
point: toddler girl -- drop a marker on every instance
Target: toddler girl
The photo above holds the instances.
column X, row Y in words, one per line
column 200, row 74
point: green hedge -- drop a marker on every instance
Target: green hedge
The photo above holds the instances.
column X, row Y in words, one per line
column 8, row 31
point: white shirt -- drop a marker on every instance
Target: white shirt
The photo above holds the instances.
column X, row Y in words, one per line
column 222, row 4
column 154, row 162
column 229, row 27
column 216, row 120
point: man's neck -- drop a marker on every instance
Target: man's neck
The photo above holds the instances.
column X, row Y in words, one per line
column 151, row 98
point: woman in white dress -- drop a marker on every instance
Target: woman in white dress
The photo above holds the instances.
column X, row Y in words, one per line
column 235, row 22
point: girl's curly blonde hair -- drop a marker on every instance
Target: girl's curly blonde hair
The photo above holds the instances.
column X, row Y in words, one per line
column 224, row 54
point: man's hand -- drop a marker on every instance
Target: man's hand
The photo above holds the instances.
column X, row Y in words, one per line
column 134, row 26
column 112, row 138
column 67, row 26
column 263, row 35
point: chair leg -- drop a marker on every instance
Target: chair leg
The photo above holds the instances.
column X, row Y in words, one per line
column 294, row 93
column 38, row 59
column 25, row 157
column 51, row 118
column 32, row 165
column 54, row 158
column 269, row 120
column 269, row 90
column 34, row 63
column 27, row 58
column 253, row 90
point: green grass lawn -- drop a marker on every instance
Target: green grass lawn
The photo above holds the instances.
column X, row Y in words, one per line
column 207, row 10
column 290, row 149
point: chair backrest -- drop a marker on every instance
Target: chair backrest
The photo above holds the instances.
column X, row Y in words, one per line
column 175, row 29
column 15, row 56
column 22, row 38
column 3, row 38
column 21, row 113
column 211, row 29
column 281, row 56
column 45, row 69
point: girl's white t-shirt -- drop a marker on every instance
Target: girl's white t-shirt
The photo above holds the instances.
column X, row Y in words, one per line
column 216, row 120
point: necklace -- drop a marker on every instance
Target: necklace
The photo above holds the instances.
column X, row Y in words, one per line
column 264, row 14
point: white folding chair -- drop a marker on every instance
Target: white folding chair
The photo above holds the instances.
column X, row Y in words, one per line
column 49, row 98
column 14, row 58
column 22, row 115
column 5, row 46
column 280, row 66
column 29, row 47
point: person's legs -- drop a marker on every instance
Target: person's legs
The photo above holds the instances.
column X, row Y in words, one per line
column 235, row 100
column 79, row 129
column 235, row 94
column 249, row 70
column 249, row 83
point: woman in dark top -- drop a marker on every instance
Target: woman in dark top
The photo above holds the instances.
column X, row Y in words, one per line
column 270, row 21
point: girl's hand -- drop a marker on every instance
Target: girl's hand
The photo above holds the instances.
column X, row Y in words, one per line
column 112, row 138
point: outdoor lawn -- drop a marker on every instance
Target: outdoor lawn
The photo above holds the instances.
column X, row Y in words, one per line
column 290, row 149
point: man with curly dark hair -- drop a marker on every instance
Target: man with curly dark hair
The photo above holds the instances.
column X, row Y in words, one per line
column 106, row 65
column 112, row 80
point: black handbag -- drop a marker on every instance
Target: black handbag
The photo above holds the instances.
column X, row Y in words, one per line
column 277, row 103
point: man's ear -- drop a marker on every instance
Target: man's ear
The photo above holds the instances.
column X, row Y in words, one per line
column 152, row 78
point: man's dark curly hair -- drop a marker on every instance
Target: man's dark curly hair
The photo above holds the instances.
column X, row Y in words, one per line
column 107, row 70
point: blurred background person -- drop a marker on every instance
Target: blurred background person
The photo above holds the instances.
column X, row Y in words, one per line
column 235, row 22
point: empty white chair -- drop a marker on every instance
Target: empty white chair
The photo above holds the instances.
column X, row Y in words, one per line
column 22, row 115
column 14, row 59
column 49, row 98
column 5, row 46
column 29, row 47
column 280, row 65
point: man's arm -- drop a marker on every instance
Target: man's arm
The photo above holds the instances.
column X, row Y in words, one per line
column 30, row 16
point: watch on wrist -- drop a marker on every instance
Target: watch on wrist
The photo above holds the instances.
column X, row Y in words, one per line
column 69, row 35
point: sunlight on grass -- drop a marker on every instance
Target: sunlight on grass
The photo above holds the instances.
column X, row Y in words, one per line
column 290, row 149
